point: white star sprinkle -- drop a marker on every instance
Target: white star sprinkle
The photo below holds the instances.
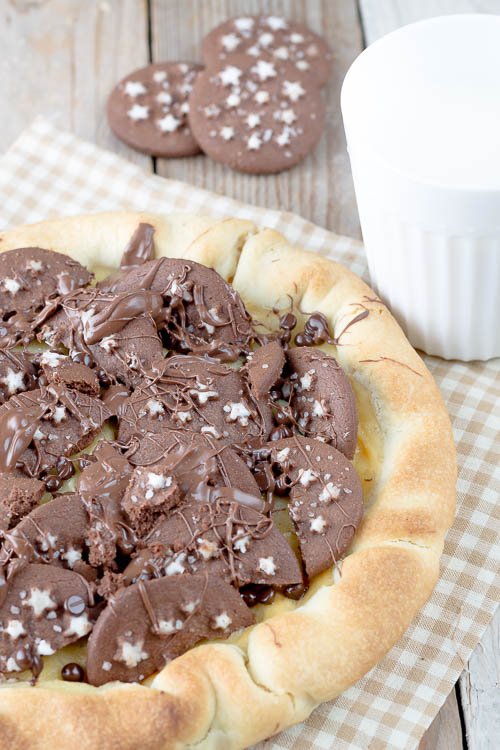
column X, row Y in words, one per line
column 230, row 42
column 293, row 90
column 135, row 88
column 276, row 23
column 230, row 76
column 164, row 97
column 233, row 100
column 262, row 97
column 138, row 112
column 253, row 120
column 226, row 132
column 264, row 70
column 243, row 24
column 169, row 123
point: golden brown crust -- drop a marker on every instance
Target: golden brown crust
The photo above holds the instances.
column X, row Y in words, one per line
column 218, row 696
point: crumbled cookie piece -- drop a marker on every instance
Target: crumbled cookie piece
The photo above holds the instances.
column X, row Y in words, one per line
column 151, row 492
column 18, row 496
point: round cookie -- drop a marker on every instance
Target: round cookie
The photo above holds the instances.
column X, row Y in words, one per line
column 148, row 109
column 253, row 119
column 293, row 48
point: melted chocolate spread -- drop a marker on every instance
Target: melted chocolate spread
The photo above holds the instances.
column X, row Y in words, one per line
column 187, row 422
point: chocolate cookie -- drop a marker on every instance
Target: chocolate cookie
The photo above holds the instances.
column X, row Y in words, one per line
column 150, row 494
column 197, row 461
column 294, row 50
column 149, row 108
column 224, row 538
column 64, row 371
column 116, row 331
column 253, row 119
column 29, row 277
column 326, row 498
column 203, row 313
column 198, row 395
column 263, row 367
column 43, row 609
column 322, row 398
column 151, row 623
column 102, row 485
column 40, row 426
column 53, row 533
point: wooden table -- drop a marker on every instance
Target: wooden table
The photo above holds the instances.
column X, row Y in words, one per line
column 61, row 58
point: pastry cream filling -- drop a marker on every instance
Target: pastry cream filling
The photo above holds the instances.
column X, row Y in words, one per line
column 367, row 462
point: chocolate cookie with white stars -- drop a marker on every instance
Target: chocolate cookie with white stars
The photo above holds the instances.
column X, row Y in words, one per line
column 294, row 49
column 149, row 108
column 254, row 120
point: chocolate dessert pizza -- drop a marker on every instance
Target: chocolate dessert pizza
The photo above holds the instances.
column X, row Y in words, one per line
column 225, row 481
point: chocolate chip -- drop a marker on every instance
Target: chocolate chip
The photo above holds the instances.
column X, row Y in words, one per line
column 72, row 672
column 18, row 496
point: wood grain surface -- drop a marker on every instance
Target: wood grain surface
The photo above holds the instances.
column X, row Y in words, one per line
column 60, row 58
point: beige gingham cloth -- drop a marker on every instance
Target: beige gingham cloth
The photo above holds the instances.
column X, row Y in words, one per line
column 49, row 173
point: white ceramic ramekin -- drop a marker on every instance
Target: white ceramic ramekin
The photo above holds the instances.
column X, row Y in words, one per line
column 421, row 111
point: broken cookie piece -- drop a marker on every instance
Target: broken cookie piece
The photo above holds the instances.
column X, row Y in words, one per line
column 326, row 498
column 149, row 495
column 223, row 537
column 64, row 371
column 18, row 496
column 197, row 395
column 102, row 485
column 40, row 426
column 44, row 608
column 323, row 399
column 152, row 622
column 53, row 533
column 264, row 366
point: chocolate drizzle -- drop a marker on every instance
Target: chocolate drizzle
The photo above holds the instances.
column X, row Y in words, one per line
column 169, row 536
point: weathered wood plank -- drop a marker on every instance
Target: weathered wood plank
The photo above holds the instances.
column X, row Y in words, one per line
column 480, row 691
column 445, row 732
column 61, row 59
column 321, row 187
column 480, row 682
column 381, row 17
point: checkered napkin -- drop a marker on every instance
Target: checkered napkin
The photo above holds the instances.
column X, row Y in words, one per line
column 49, row 173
